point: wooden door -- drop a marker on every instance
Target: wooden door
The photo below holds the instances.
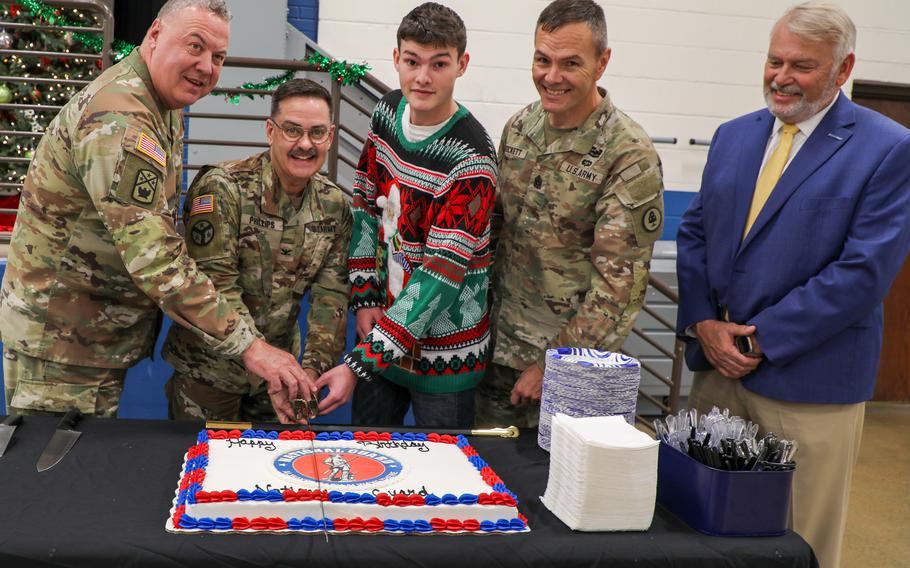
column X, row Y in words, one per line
column 892, row 100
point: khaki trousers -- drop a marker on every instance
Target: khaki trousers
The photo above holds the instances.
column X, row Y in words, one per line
column 829, row 438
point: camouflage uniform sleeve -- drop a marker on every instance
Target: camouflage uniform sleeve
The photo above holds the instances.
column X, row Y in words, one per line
column 365, row 289
column 213, row 236
column 629, row 221
column 127, row 187
column 327, row 318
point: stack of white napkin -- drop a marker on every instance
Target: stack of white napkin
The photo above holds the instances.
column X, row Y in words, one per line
column 586, row 382
column 603, row 474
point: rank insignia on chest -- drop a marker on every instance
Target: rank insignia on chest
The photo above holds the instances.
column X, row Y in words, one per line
column 144, row 187
column 152, row 149
column 203, row 204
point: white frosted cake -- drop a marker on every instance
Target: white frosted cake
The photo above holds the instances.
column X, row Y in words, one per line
column 295, row 481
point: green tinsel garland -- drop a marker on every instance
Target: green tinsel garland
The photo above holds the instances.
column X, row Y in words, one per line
column 37, row 8
column 341, row 71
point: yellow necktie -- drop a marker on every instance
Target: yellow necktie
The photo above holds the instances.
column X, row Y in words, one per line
column 772, row 171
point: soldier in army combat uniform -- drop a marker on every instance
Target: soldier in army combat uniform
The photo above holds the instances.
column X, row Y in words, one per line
column 266, row 229
column 578, row 210
column 95, row 253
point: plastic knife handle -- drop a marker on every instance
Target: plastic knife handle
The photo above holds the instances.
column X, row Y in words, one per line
column 69, row 419
column 12, row 420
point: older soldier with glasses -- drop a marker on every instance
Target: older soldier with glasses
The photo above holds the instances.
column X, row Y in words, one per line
column 267, row 229
column 95, row 252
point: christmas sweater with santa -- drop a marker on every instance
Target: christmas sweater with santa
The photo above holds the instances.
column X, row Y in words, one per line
column 420, row 250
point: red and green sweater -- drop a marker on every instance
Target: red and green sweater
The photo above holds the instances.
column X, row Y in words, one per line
column 420, row 250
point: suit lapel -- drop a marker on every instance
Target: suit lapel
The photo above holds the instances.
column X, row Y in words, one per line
column 826, row 139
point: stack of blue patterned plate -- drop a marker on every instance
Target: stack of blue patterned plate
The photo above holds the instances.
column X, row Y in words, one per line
column 585, row 382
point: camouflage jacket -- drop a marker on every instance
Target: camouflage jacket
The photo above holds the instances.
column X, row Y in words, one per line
column 263, row 255
column 576, row 222
column 95, row 252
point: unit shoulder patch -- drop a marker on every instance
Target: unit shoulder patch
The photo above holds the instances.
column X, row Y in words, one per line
column 651, row 219
column 648, row 221
column 138, row 183
column 202, row 232
column 145, row 186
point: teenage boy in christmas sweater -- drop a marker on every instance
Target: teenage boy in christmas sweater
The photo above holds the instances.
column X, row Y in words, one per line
column 420, row 251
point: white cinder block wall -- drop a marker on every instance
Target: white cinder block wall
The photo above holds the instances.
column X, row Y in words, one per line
column 679, row 67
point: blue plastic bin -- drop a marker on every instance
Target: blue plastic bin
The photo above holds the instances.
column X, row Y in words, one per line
column 723, row 503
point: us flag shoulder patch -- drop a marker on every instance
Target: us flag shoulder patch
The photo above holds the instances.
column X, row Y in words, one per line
column 203, row 204
column 150, row 148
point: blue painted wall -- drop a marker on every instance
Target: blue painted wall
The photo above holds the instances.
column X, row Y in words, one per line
column 675, row 204
column 304, row 15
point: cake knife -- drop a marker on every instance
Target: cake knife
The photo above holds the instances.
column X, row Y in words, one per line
column 309, row 409
column 63, row 440
column 7, row 427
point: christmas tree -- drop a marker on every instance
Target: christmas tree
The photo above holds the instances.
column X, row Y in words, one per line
column 22, row 89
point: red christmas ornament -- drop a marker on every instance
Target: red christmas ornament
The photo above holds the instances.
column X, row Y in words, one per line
column 14, row 10
column 46, row 61
column 98, row 63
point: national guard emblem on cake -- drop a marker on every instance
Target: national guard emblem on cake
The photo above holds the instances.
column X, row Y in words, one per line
column 337, row 466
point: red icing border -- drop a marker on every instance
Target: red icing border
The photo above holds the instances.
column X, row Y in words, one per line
column 356, row 524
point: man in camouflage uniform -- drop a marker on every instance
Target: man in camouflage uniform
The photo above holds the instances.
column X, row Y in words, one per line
column 266, row 229
column 95, row 251
column 579, row 208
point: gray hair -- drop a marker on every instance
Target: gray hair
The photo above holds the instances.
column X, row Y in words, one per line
column 562, row 12
column 822, row 21
column 217, row 7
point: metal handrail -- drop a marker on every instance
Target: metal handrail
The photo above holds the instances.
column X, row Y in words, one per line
column 33, row 53
column 42, row 80
column 676, row 356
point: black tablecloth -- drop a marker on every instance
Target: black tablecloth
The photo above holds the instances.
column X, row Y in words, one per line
column 106, row 503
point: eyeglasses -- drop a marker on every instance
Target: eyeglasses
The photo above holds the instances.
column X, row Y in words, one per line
column 293, row 133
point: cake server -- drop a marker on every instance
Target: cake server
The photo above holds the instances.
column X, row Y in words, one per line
column 62, row 441
column 7, row 427
column 509, row 432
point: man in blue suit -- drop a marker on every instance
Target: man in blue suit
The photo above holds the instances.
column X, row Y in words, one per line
column 785, row 256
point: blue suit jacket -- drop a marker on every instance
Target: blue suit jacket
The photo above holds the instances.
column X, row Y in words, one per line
column 813, row 271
